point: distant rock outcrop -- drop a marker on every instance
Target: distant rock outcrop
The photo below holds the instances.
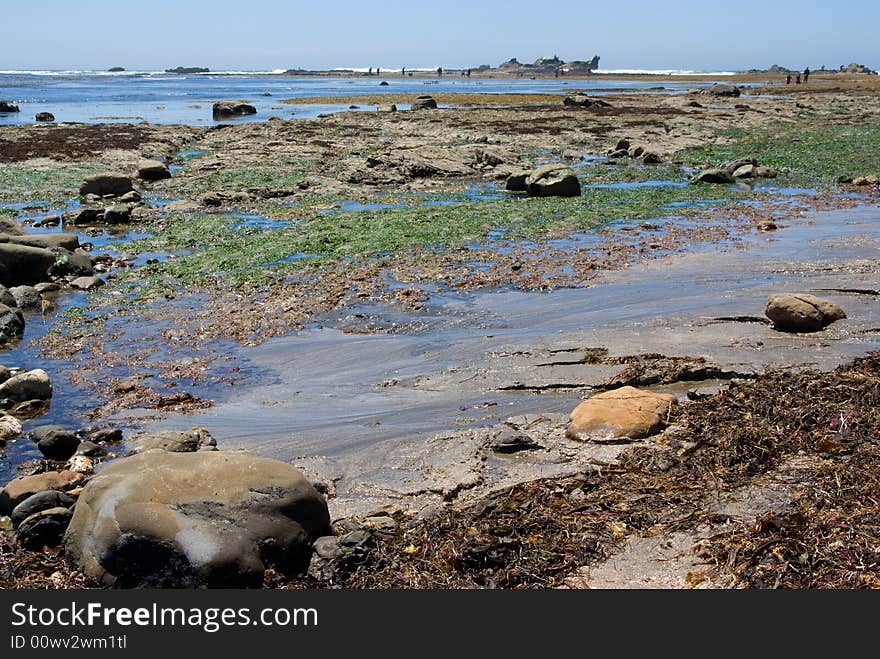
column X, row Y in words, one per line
column 184, row 70
column 857, row 68
column 116, row 69
column 8, row 106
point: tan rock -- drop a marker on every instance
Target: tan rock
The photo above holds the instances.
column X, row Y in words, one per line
column 22, row 488
column 625, row 413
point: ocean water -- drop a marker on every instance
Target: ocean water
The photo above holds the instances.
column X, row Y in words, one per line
column 159, row 98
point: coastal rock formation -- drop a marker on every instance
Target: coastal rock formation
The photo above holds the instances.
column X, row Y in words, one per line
column 152, row 170
column 184, row 70
column 215, row 519
column 801, row 312
column 26, row 297
column 516, row 182
column 625, row 413
column 729, row 91
column 424, row 103
column 22, row 264
column 67, row 241
column 87, row 283
column 555, row 180
column 16, row 491
column 8, row 106
column 45, row 117
column 43, row 529
column 233, row 109
column 103, row 185
column 177, row 441
column 584, row 101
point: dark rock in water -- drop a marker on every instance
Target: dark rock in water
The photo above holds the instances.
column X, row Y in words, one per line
column 38, row 502
column 635, row 151
column 424, row 103
column 21, row 264
column 216, row 519
column 651, row 158
column 132, row 197
column 153, row 170
column 116, row 69
column 26, row 297
column 9, row 300
column 177, row 441
column 103, row 185
column 553, row 181
column 384, row 83
column 731, row 91
column 77, row 264
column 517, row 182
column 233, row 109
column 43, row 529
column 106, row 435
column 184, row 70
column 45, row 117
column 11, row 324
column 89, row 449
column 584, row 101
column 119, row 214
column 84, row 216
column 801, row 312
column 8, row 106
column 713, row 175
column 55, row 442
column 16, row 491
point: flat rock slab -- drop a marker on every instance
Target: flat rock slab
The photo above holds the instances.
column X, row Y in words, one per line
column 181, row 520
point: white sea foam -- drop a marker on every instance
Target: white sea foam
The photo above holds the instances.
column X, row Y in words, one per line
column 662, row 72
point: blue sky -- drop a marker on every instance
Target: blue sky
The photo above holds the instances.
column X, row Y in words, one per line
column 268, row 34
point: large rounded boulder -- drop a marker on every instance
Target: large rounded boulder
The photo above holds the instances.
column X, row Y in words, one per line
column 184, row 520
column 622, row 414
column 801, row 312
column 553, row 181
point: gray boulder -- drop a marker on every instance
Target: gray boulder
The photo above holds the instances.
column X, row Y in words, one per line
column 10, row 428
column 23, row 264
column 152, row 170
column 7, row 298
column 734, row 165
column 11, row 324
column 10, row 227
column 33, row 385
column 730, row 91
column 801, row 312
column 584, row 101
column 38, row 502
column 20, row 489
column 87, row 283
column 424, row 103
column 26, row 297
column 714, row 175
column 68, row 241
column 553, row 181
column 43, row 529
column 103, row 185
column 177, row 441
column 119, row 214
column 84, row 216
column 214, row 519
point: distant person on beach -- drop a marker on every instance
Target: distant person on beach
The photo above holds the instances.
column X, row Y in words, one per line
column 806, row 75
column 797, row 79
column 371, row 71
column 788, row 79
column 439, row 71
column 403, row 71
